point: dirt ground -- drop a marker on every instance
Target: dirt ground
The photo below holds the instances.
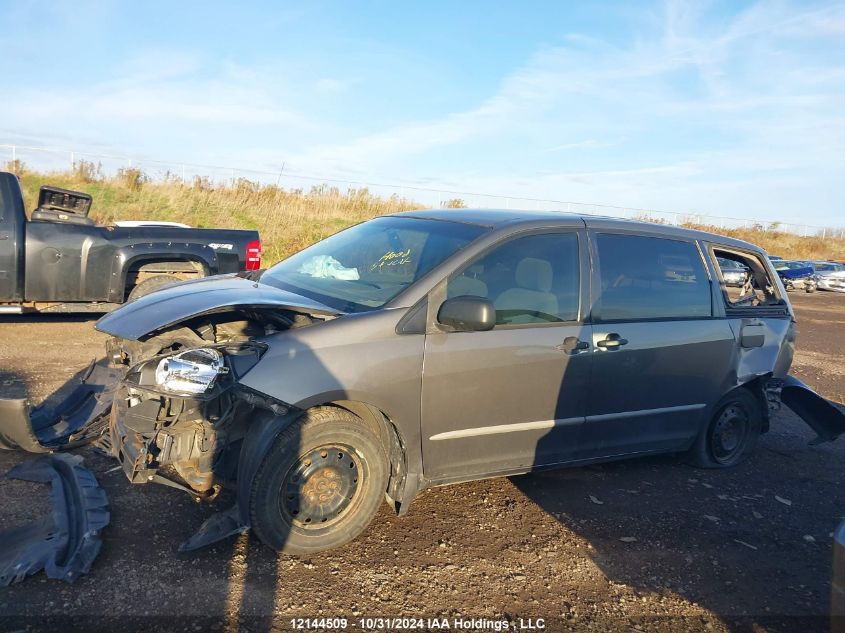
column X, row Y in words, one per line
column 647, row 544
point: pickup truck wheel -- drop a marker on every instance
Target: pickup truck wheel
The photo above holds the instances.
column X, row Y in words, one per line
column 152, row 284
column 320, row 483
column 732, row 433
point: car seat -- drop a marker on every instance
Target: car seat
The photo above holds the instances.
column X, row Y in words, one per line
column 462, row 285
column 533, row 278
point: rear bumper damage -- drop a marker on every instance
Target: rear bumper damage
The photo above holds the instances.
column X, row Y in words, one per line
column 820, row 414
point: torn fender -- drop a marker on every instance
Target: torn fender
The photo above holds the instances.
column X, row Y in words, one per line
column 236, row 520
column 824, row 417
column 65, row 542
column 77, row 420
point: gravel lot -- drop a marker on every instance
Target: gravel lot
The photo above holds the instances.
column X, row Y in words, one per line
column 651, row 543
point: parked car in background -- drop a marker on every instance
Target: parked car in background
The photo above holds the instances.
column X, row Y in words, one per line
column 796, row 275
column 433, row 347
column 830, row 275
column 734, row 273
column 59, row 260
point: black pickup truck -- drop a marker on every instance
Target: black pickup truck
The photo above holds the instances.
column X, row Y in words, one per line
column 59, row 260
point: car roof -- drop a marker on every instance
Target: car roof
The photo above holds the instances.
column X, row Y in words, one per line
column 500, row 218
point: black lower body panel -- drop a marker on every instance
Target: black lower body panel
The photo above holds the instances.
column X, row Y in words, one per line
column 78, row 419
column 65, row 542
column 824, row 417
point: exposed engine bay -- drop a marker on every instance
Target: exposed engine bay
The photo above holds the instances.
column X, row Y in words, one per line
column 180, row 416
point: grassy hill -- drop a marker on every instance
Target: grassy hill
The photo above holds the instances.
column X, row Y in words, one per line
column 289, row 220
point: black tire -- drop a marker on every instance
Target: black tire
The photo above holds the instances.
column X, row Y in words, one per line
column 320, row 484
column 152, row 284
column 731, row 435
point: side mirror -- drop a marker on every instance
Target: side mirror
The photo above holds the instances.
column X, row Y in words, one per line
column 468, row 314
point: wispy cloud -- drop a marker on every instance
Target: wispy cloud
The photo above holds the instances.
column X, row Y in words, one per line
column 589, row 143
column 691, row 104
column 748, row 108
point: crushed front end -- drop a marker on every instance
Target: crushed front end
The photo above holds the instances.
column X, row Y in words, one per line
column 179, row 420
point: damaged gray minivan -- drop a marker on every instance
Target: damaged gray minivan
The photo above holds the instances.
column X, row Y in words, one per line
column 434, row 347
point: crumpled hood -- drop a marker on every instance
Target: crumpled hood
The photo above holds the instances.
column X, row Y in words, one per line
column 832, row 274
column 182, row 301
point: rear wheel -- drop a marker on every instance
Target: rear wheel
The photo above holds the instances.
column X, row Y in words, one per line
column 320, row 483
column 732, row 433
column 152, row 284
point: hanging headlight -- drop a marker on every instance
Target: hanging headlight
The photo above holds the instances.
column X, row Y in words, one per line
column 191, row 371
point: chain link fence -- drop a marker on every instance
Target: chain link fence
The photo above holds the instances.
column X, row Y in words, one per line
column 62, row 160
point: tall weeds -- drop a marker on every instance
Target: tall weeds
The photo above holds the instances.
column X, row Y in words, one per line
column 288, row 220
column 291, row 219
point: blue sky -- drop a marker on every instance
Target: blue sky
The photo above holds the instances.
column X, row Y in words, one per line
column 723, row 108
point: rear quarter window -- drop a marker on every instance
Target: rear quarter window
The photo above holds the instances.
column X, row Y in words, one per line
column 650, row 278
column 753, row 288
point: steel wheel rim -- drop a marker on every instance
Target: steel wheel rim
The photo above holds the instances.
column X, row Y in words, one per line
column 729, row 433
column 321, row 486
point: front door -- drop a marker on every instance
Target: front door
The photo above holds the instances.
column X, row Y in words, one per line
column 513, row 397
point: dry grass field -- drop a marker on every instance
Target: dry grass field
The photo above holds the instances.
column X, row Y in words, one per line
column 290, row 219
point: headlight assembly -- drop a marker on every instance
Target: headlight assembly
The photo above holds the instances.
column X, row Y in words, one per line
column 196, row 372
column 193, row 371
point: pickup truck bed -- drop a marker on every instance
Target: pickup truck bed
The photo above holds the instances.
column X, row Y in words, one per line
column 67, row 263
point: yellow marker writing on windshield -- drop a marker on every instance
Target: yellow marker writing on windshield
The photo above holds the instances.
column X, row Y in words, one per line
column 393, row 258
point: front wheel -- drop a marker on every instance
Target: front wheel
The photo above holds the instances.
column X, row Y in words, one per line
column 320, row 483
column 732, row 433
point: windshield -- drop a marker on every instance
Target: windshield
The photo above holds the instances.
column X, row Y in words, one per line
column 826, row 267
column 364, row 267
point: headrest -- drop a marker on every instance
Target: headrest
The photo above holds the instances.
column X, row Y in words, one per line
column 534, row 274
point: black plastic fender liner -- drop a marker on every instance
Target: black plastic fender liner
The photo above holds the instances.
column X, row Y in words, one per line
column 77, row 420
column 824, row 417
column 235, row 520
column 65, row 542
column 16, row 428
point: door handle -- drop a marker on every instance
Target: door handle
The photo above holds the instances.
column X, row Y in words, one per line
column 572, row 345
column 4, row 236
column 612, row 341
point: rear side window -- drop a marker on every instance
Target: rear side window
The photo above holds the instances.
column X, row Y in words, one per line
column 650, row 278
column 745, row 282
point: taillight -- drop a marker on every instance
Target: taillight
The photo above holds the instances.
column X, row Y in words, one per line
column 253, row 255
